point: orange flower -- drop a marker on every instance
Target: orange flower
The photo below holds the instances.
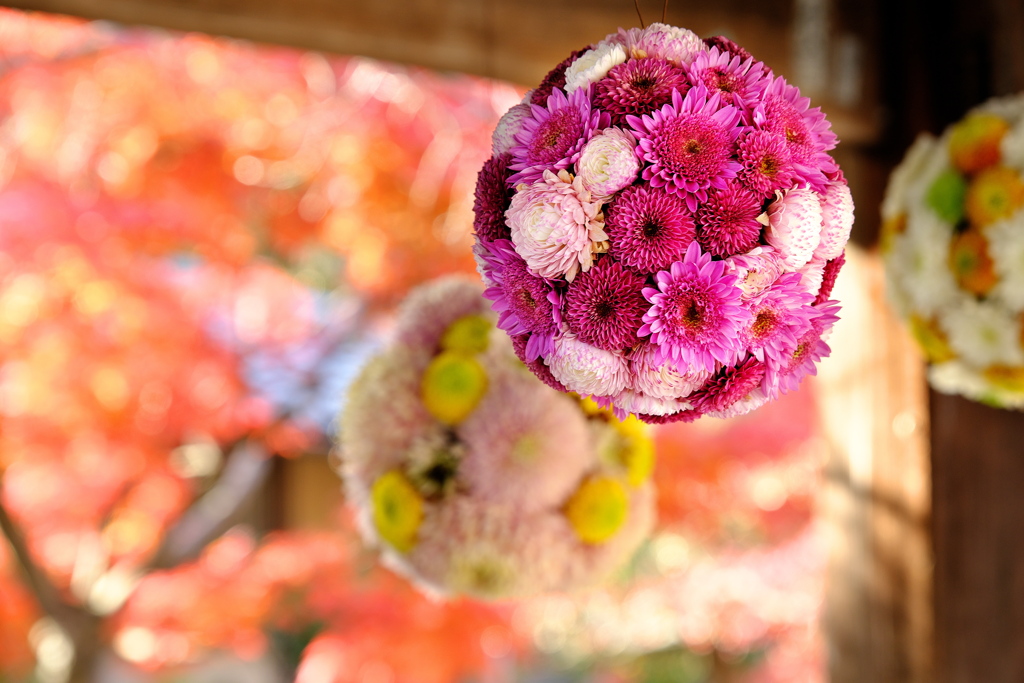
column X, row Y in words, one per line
column 970, row 262
column 974, row 142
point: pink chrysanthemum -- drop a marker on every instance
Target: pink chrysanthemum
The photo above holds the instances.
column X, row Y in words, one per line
column 638, row 87
column 756, row 270
column 529, row 446
column 662, row 380
column 812, row 274
column 551, row 139
column 802, row 360
column 555, row 225
column 689, row 144
column 828, row 278
column 677, row 45
column 525, row 302
column 739, row 81
column 729, row 385
column 726, row 45
column 636, row 402
column 554, row 79
column 648, row 228
column 604, row 306
column 586, row 369
column 536, row 365
column 807, row 132
column 728, row 221
column 780, row 315
column 696, row 313
column 491, row 198
column 767, row 162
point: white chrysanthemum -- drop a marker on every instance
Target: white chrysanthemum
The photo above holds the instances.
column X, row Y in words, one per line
column 1012, row 146
column 556, row 225
column 933, row 163
column 586, row 369
column 608, row 162
column 643, row 404
column 661, row 380
column 1006, row 247
column 917, row 157
column 503, row 137
column 593, row 65
column 756, row 270
column 982, row 334
column 919, row 260
column 469, row 547
column 483, row 269
column 526, row 445
column 836, row 220
column 677, row 45
column 954, row 377
column 794, row 226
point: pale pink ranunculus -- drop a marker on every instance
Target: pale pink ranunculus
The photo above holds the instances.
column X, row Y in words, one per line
column 677, row 45
column 755, row 270
column 837, row 221
column 556, row 226
column 608, row 162
column 662, row 380
column 593, row 65
column 794, row 226
column 503, row 137
column 586, row 369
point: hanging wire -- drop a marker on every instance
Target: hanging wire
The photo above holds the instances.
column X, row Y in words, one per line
column 664, row 11
column 636, row 3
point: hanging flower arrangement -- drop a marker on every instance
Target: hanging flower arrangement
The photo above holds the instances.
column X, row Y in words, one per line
column 473, row 477
column 660, row 227
column 953, row 240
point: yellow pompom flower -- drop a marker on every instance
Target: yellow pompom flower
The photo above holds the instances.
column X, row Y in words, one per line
column 974, row 142
column 971, row 264
column 397, row 510
column 453, row 385
column 931, row 339
column 996, row 193
column 598, row 509
column 469, row 335
column 636, row 450
column 590, row 407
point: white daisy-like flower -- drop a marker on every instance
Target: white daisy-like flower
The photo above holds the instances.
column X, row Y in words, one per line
column 917, row 157
column 1012, row 146
column 1006, row 247
column 919, row 258
column 982, row 334
column 933, row 163
column 954, row 377
column 593, row 65
column 503, row 137
column 586, row 369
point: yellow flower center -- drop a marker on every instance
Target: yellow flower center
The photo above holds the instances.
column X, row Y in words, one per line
column 469, row 335
column 452, row 386
column 636, row 450
column 598, row 509
column 974, row 142
column 397, row 510
column 996, row 193
column 1006, row 377
column 931, row 339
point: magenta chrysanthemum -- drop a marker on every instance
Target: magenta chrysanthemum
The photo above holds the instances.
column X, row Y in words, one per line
column 810, row 348
column 604, row 306
column 525, row 302
column 648, row 228
column 779, row 316
column 551, row 139
column 726, row 45
column 727, row 221
column 767, row 162
column 491, row 199
column 696, row 313
column 689, row 144
column 638, row 87
column 554, row 79
column 729, row 385
column 807, row 132
column 738, row 81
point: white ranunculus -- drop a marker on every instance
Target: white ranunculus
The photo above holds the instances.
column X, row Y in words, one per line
column 593, row 65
